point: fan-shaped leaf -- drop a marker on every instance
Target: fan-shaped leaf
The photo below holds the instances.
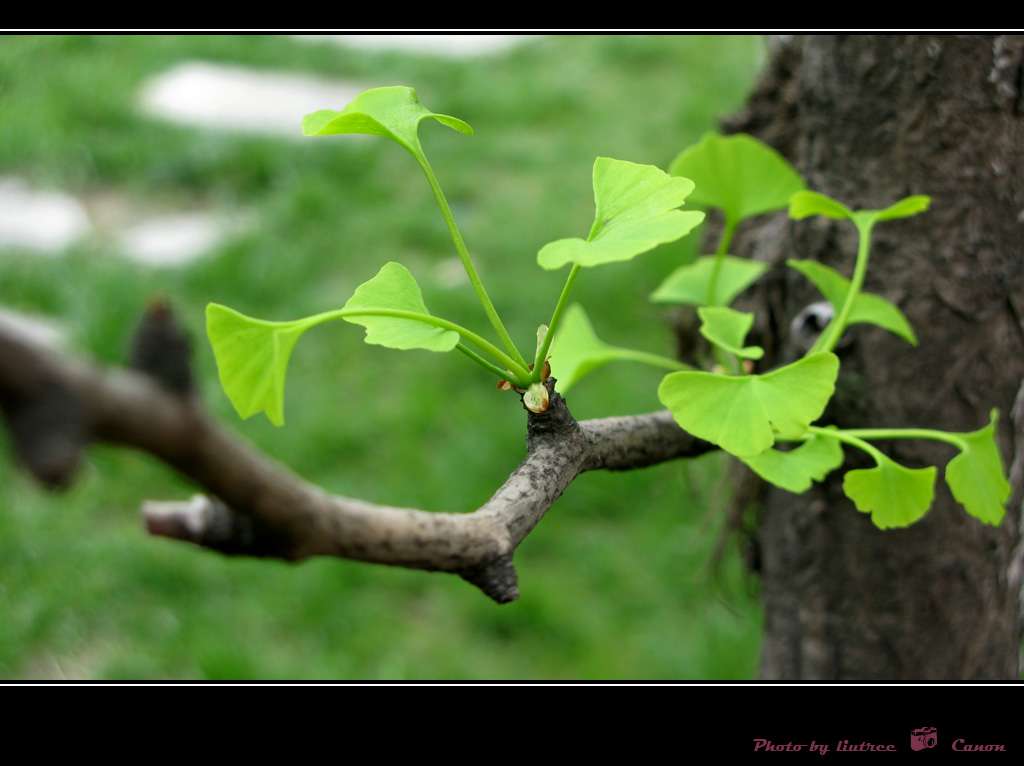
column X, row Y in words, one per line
column 395, row 288
column 689, row 284
column 738, row 413
column 867, row 307
column 794, row 471
column 252, row 358
column 577, row 350
column 636, row 212
column 807, row 203
column 394, row 113
column 894, row 496
column 976, row 476
column 905, row 208
column 728, row 329
column 737, row 174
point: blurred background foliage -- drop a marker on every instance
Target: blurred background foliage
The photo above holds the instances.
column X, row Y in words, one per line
column 616, row 582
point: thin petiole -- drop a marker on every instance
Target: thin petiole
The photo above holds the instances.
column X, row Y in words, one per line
column 563, row 301
column 556, row 317
column 908, row 433
column 716, row 269
column 503, row 374
column 519, row 370
column 467, row 262
column 726, row 360
column 834, row 332
column 655, row 360
column 847, row 438
column 858, row 436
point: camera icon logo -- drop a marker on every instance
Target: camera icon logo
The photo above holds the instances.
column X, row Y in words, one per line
column 923, row 738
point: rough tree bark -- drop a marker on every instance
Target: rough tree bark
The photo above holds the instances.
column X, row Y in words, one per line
column 869, row 120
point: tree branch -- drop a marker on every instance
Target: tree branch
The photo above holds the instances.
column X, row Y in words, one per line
column 54, row 406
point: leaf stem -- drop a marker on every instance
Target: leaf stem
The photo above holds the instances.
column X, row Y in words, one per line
column 725, row 359
column 857, row 436
column 503, row 374
column 908, row 433
column 847, row 438
column 518, row 370
column 467, row 262
column 716, row 269
column 834, row 331
column 653, row 359
column 556, row 317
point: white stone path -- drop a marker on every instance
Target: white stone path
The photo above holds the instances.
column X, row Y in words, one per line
column 449, row 46
column 207, row 96
column 41, row 221
column 240, row 99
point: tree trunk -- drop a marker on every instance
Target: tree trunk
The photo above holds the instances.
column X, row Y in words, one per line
column 870, row 120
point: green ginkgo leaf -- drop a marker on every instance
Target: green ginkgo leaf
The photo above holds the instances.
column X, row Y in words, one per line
column 636, row 212
column 905, row 208
column 737, row 174
column 867, row 307
column 804, row 204
column 739, row 413
column 808, row 203
column 794, row 471
column 393, row 113
column 252, row 354
column 976, row 476
column 395, row 288
column 252, row 358
column 689, row 284
column 894, row 496
column 727, row 329
column 576, row 349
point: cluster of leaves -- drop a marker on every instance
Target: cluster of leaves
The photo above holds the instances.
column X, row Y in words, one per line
column 746, row 414
column 637, row 209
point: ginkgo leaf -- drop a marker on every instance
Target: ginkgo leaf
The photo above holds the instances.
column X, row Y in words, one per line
column 393, row 113
column 727, row 329
column 976, row 476
column 794, row 471
column 636, row 212
column 739, row 412
column 905, row 208
column 252, row 358
column 737, row 174
column 808, row 203
column 689, row 284
column 577, row 350
column 395, row 288
column 867, row 308
column 252, row 354
column 894, row 496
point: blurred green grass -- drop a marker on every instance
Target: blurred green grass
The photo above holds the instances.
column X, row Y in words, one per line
column 615, row 581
